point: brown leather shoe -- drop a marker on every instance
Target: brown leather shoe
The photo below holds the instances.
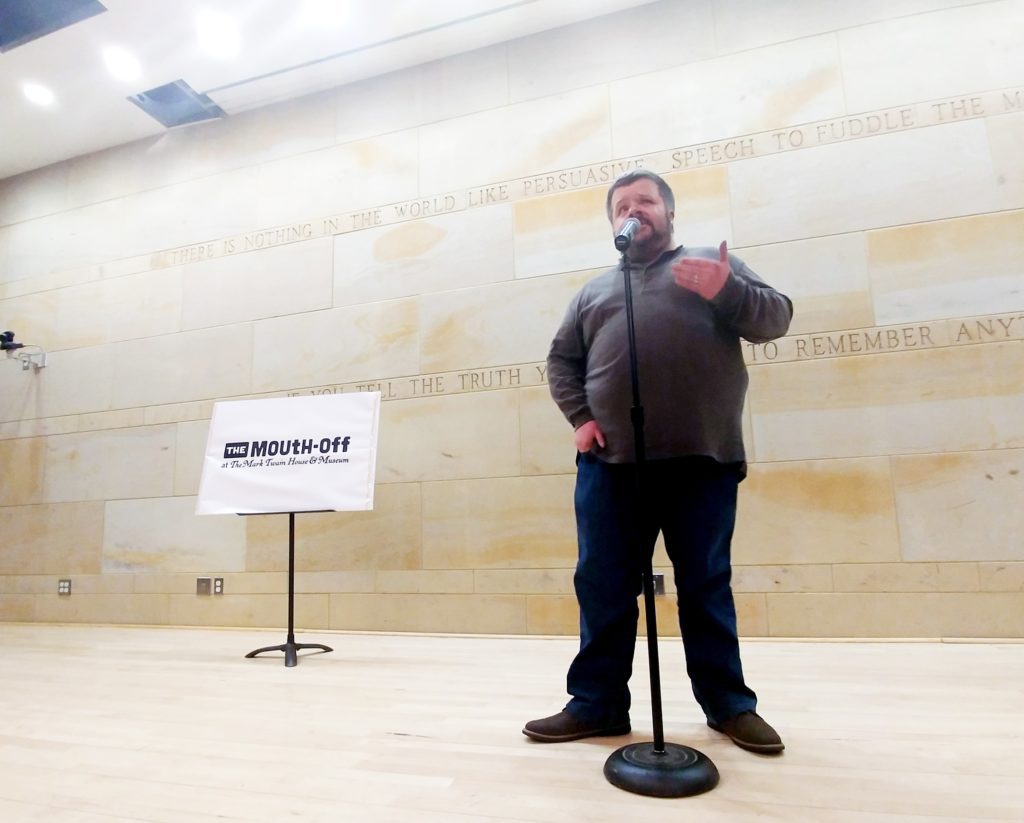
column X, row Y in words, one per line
column 564, row 726
column 749, row 731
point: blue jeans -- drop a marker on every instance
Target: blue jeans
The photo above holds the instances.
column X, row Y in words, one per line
column 692, row 501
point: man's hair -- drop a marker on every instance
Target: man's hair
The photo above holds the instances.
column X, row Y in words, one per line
column 667, row 197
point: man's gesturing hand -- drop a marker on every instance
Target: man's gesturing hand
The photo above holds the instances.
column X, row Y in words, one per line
column 706, row 277
column 585, row 436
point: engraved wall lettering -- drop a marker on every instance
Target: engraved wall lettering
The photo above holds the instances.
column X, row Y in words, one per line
column 385, row 387
column 988, row 329
column 367, row 219
column 823, row 345
column 427, row 385
column 584, row 177
column 425, row 208
column 863, row 341
column 487, row 195
column 959, row 109
column 719, row 152
column 848, row 128
column 192, row 254
column 792, row 139
column 275, row 237
column 762, row 352
column 489, row 379
column 722, row 151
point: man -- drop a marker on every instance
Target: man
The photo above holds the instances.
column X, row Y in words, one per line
column 691, row 307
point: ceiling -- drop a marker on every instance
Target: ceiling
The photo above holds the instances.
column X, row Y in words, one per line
column 288, row 48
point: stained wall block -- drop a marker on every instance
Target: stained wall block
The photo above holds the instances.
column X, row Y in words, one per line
column 430, row 254
column 386, row 538
column 733, row 94
column 960, row 506
column 163, row 535
column 516, row 522
column 785, row 508
column 949, row 268
column 575, row 132
column 961, row 398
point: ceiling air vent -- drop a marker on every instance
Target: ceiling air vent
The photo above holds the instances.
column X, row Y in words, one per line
column 22, row 21
column 176, row 104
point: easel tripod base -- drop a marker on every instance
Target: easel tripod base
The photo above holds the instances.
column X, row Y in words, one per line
column 290, row 649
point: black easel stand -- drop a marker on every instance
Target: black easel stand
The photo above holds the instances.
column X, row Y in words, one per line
column 655, row 769
column 290, row 647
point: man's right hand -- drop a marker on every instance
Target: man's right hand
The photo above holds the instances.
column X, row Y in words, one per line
column 586, row 434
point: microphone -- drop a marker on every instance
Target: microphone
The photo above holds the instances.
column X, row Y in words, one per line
column 625, row 235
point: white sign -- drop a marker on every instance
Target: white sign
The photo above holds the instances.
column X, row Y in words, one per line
column 291, row 454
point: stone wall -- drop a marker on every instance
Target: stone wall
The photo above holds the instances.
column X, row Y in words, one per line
column 421, row 233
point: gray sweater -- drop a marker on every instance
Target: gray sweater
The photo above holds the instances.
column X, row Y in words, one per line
column 691, row 371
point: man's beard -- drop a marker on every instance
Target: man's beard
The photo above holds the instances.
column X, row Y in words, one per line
column 645, row 251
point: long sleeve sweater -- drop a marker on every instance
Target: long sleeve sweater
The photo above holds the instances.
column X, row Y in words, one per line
column 692, row 377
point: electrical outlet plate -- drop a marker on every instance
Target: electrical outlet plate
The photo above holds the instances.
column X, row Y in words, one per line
column 63, row 587
column 218, row 585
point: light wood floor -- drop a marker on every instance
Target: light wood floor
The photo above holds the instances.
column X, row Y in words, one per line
column 108, row 724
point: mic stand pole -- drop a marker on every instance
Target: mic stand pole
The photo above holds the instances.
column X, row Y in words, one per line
column 655, row 769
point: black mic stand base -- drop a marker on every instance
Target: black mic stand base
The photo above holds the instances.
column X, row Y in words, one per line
column 674, row 771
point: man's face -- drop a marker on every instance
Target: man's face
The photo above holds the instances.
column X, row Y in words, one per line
column 642, row 200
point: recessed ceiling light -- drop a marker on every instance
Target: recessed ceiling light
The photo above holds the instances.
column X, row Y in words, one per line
column 122, row 64
column 218, row 34
column 38, row 94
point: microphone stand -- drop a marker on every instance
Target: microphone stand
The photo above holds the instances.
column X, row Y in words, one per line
column 657, row 769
